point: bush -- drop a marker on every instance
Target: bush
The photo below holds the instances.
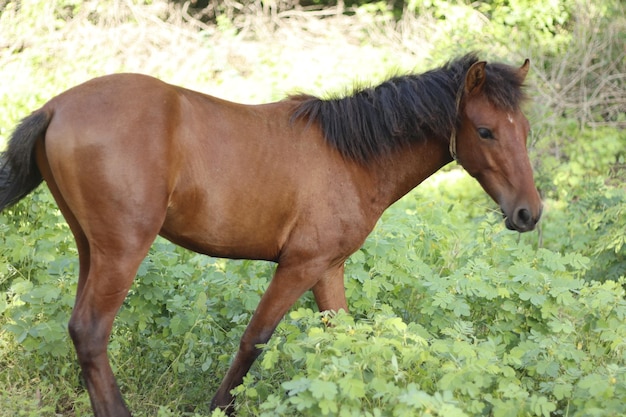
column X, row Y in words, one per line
column 450, row 313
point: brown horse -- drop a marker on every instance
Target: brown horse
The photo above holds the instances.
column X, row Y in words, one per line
column 300, row 182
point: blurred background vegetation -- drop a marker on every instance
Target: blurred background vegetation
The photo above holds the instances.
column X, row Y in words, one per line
column 453, row 315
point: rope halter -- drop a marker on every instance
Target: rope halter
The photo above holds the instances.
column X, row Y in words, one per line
column 459, row 96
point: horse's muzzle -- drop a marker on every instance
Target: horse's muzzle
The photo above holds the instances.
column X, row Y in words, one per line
column 522, row 220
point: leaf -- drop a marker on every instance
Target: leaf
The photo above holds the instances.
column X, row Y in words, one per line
column 201, row 303
column 596, row 384
column 562, row 390
column 270, row 359
column 541, row 406
column 415, row 397
column 371, row 288
column 323, row 389
column 297, row 386
column 327, row 406
column 461, row 308
column 352, row 387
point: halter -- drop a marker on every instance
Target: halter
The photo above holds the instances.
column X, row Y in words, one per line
column 459, row 95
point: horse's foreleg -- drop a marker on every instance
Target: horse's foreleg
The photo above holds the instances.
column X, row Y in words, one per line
column 97, row 303
column 288, row 284
column 330, row 292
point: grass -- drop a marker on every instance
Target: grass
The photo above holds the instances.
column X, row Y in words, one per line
column 263, row 55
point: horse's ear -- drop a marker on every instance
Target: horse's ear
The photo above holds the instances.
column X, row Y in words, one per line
column 475, row 78
column 523, row 70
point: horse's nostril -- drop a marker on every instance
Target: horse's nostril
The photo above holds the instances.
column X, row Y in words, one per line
column 524, row 216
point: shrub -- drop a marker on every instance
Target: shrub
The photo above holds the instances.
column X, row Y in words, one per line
column 450, row 313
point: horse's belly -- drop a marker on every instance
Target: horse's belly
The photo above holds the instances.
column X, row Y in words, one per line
column 238, row 231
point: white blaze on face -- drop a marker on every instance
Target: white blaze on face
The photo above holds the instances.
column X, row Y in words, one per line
column 508, row 116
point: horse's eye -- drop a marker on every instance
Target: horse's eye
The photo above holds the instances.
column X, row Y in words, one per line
column 485, row 133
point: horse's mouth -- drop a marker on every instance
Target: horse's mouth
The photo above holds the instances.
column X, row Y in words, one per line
column 525, row 222
column 508, row 223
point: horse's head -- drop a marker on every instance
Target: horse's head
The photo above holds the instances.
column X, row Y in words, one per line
column 492, row 141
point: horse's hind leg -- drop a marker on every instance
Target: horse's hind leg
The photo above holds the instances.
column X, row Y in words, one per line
column 106, row 285
column 112, row 240
column 82, row 245
column 116, row 248
column 106, row 270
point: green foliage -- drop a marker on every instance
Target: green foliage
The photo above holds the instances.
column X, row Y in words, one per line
column 451, row 314
column 583, row 181
column 536, row 24
column 493, row 328
column 530, row 360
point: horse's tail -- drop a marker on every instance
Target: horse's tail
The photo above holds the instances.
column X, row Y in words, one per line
column 19, row 174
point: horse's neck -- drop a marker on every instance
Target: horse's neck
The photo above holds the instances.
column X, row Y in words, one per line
column 404, row 169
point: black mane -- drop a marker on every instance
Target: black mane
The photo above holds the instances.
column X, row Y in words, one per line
column 375, row 120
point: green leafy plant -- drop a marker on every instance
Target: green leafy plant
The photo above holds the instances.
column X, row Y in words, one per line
column 451, row 315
